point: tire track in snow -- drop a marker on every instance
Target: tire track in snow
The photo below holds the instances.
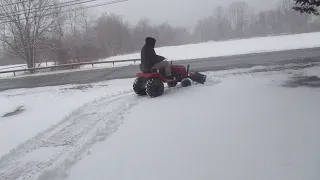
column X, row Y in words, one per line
column 65, row 143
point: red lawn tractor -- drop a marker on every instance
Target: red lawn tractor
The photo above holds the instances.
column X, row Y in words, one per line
column 152, row 83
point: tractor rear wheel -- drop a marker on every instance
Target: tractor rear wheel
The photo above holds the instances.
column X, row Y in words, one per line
column 154, row 87
column 139, row 86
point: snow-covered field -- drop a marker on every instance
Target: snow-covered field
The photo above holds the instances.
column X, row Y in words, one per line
column 242, row 124
column 204, row 50
column 234, row 47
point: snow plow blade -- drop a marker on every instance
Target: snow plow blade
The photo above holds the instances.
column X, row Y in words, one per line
column 198, row 77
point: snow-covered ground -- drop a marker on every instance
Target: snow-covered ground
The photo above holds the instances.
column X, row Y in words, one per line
column 23, row 66
column 234, row 47
column 44, row 107
column 242, row 124
column 18, row 67
column 204, row 50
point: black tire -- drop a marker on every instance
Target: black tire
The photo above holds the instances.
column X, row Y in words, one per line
column 154, row 87
column 186, row 82
column 139, row 86
column 172, row 84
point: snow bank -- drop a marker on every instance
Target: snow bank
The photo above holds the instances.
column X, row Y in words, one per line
column 234, row 47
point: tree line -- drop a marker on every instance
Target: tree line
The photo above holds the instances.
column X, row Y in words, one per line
column 32, row 32
column 238, row 20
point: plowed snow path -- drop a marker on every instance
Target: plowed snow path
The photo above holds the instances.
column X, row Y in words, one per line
column 65, row 143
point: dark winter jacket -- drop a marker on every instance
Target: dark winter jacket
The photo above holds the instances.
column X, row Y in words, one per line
column 148, row 55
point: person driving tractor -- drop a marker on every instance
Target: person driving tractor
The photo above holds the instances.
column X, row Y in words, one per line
column 151, row 61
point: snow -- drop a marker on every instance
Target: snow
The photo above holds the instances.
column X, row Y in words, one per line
column 233, row 47
column 40, row 154
column 45, row 107
column 241, row 124
column 245, row 127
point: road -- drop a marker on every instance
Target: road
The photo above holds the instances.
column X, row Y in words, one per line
column 205, row 64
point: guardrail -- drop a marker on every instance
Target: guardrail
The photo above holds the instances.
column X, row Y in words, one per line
column 72, row 65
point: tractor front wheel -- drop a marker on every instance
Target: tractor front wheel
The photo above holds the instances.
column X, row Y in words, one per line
column 154, row 87
column 186, row 82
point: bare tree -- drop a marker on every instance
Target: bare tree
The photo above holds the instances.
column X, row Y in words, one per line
column 86, row 29
column 222, row 24
column 238, row 14
column 182, row 36
column 166, row 34
column 74, row 33
column 25, row 24
column 258, row 24
column 58, row 53
column 292, row 21
column 112, row 33
column 141, row 30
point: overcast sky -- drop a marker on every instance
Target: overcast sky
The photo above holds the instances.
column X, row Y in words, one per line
column 176, row 12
